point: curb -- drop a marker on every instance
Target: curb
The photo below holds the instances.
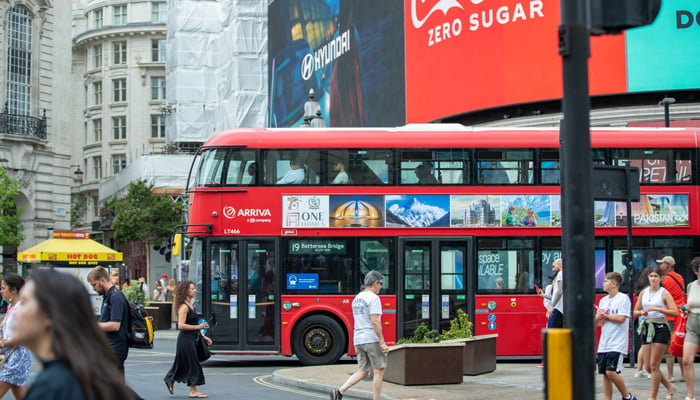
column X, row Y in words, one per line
column 316, row 386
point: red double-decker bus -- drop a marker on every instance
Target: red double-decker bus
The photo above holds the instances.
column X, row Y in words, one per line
column 283, row 225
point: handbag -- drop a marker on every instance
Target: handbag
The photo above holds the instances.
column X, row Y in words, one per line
column 4, row 357
column 203, row 352
column 678, row 336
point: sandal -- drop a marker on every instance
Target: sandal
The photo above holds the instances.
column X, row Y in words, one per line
column 170, row 387
column 198, row 396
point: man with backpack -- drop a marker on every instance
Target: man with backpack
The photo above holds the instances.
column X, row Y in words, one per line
column 674, row 283
column 114, row 315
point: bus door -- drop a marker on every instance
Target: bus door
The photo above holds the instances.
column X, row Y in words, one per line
column 433, row 282
column 243, row 295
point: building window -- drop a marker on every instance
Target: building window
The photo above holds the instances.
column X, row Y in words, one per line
column 98, row 18
column 157, row 126
column 119, row 128
column 158, row 50
column 96, row 204
column 97, row 130
column 159, row 13
column 97, row 167
column 120, row 15
column 97, row 90
column 118, row 163
column 158, row 88
column 119, row 90
column 119, row 52
column 97, row 56
column 19, row 61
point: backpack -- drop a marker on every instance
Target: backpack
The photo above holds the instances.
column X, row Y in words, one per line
column 140, row 328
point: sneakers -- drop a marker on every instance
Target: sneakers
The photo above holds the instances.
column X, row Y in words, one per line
column 630, row 397
column 642, row 374
column 336, row 395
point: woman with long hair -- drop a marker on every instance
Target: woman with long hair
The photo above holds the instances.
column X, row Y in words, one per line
column 643, row 371
column 18, row 362
column 57, row 324
column 186, row 367
column 655, row 304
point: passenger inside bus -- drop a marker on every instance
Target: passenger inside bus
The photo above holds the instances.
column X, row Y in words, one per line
column 424, row 173
column 341, row 178
column 295, row 174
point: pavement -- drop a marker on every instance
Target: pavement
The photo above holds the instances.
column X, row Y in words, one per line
column 510, row 380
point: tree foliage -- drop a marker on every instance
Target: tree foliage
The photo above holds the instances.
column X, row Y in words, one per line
column 144, row 216
column 11, row 229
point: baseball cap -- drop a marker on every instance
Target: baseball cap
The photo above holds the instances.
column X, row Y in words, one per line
column 164, row 276
column 668, row 260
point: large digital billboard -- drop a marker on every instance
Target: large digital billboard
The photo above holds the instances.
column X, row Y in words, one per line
column 351, row 53
column 467, row 55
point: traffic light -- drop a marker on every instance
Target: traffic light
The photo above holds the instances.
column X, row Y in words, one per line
column 177, row 244
column 610, row 17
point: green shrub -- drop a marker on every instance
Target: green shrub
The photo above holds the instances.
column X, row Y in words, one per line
column 460, row 327
column 421, row 335
column 134, row 293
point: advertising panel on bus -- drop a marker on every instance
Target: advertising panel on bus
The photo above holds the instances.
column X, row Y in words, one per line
column 503, row 52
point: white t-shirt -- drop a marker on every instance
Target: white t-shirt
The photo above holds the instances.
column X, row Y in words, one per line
column 547, row 297
column 341, row 178
column 615, row 336
column 558, row 282
column 293, row 176
column 364, row 305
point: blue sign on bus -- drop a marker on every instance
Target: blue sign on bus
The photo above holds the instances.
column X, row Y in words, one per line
column 302, row 281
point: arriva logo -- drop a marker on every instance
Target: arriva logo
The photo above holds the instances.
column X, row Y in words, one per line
column 231, row 213
column 476, row 18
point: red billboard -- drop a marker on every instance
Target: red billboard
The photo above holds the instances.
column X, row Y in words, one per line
column 465, row 55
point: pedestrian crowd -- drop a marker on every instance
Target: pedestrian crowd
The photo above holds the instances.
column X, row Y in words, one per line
column 50, row 316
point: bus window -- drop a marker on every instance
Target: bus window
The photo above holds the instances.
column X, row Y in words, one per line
column 505, row 166
column 371, row 167
column 657, row 166
column 506, row 266
column 291, row 167
column 318, row 266
column 211, row 168
column 338, row 168
column 417, row 167
column 376, row 255
column 241, row 168
column 452, row 166
column 549, row 166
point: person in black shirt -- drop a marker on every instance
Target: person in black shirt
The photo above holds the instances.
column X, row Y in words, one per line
column 114, row 315
column 57, row 324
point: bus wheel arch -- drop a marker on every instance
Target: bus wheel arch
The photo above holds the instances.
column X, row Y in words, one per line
column 319, row 339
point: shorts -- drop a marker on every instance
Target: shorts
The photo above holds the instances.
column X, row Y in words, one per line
column 661, row 335
column 370, row 356
column 692, row 329
column 611, row 361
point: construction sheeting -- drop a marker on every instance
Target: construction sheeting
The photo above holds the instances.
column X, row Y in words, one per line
column 216, row 71
column 163, row 171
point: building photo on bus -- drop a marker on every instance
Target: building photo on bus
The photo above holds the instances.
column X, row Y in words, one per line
column 453, row 217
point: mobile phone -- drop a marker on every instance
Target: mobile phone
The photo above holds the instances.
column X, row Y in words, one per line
column 600, row 310
column 537, row 288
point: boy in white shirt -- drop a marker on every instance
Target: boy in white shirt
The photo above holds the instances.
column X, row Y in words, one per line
column 613, row 317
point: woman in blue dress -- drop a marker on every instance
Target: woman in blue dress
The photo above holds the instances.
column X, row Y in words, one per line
column 18, row 359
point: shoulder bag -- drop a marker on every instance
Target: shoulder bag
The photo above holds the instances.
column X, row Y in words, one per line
column 203, row 352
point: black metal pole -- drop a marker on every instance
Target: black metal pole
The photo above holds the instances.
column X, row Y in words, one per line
column 577, row 196
column 630, row 263
column 667, row 115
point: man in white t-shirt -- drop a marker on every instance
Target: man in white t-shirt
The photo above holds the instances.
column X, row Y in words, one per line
column 614, row 318
column 368, row 338
column 555, row 313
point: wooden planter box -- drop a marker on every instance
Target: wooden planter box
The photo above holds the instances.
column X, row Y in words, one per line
column 425, row 364
column 479, row 356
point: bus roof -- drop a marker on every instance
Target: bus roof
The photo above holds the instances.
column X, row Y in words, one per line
column 448, row 136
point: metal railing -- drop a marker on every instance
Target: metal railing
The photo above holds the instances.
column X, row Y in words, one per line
column 23, row 125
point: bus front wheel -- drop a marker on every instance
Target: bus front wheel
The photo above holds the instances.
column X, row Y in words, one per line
column 318, row 340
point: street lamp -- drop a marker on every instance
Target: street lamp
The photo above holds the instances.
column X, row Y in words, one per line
column 666, row 102
column 78, row 173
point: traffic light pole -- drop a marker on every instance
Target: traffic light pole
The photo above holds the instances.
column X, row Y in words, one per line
column 577, row 197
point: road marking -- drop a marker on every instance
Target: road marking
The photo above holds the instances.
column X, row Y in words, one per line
column 262, row 380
